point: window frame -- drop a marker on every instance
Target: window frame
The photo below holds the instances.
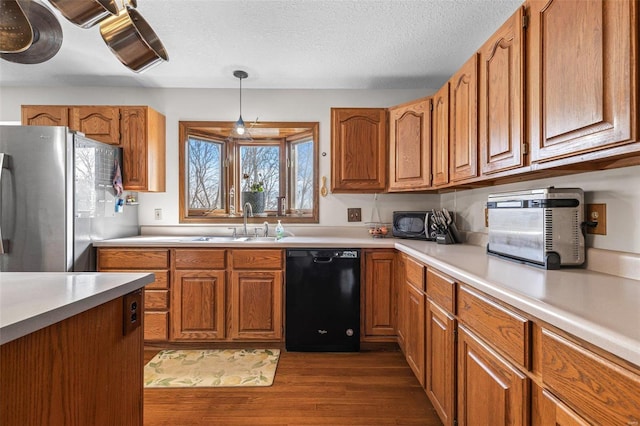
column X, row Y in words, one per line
column 218, row 131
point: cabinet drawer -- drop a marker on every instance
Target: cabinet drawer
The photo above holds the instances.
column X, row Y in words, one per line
column 503, row 329
column 604, row 391
column 156, row 299
column 441, row 289
column 256, row 259
column 414, row 272
column 161, row 282
column 118, row 258
column 156, row 326
column 200, row 259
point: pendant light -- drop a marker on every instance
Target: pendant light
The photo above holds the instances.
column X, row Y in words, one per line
column 240, row 123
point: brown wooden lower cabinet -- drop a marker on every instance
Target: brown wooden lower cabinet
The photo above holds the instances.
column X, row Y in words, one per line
column 599, row 389
column 415, row 326
column 378, row 296
column 440, row 362
column 548, row 410
column 256, row 305
column 79, row 371
column 198, row 305
column 157, row 295
column 490, row 390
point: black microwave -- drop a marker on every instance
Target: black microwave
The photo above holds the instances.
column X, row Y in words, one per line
column 414, row 225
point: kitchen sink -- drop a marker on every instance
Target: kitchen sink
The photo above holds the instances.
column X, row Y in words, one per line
column 217, row 239
column 226, row 239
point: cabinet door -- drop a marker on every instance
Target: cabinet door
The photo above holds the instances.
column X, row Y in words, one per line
column 410, row 146
column 101, row 123
column 379, row 298
column 582, row 76
column 143, row 145
column 463, row 128
column 414, row 340
column 548, row 410
column 256, row 305
column 358, row 149
column 501, row 83
column 440, row 137
column 401, row 294
column 440, row 362
column 45, row 115
column 490, row 390
column 198, row 305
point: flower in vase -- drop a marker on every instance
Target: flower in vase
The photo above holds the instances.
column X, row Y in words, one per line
column 254, row 185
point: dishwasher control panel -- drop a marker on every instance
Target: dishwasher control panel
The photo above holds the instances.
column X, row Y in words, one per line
column 350, row 254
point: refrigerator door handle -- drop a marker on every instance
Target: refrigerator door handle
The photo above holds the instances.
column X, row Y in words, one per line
column 4, row 161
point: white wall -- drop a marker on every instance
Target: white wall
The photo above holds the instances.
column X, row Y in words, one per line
column 222, row 105
column 619, row 189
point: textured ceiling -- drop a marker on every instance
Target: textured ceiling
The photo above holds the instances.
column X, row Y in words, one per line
column 295, row 44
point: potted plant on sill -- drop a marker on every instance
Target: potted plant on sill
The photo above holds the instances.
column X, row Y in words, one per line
column 254, row 194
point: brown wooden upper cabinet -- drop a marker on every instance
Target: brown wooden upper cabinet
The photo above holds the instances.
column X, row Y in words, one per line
column 100, row 123
column 582, row 82
column 45, row 115
column 410, row 146
column 143, row 145
column 501, row 106
column 139, row 130
column 463, row 123
column 440, row 137
column 358, row 150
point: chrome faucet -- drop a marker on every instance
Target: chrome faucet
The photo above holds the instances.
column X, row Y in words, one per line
column 266, row 228
column 246, row 210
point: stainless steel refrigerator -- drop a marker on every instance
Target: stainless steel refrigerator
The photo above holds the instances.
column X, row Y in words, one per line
column 57, row 197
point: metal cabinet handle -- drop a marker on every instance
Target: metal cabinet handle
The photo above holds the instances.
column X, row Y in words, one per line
column 4, row 161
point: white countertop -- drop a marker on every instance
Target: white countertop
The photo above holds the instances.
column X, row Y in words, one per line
column 30, row 301
column 270, row 242
column 599, row 308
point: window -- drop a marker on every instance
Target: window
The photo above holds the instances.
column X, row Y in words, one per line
column 206, row 180
column 216, row 166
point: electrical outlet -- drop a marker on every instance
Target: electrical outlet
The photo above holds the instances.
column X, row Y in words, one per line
column 354, row 214
column 158, row 214
column 597, row 213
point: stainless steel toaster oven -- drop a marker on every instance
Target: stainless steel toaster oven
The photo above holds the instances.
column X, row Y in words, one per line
column 538, row 226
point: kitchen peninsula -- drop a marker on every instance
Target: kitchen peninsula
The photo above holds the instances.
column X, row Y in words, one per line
column 71, row 348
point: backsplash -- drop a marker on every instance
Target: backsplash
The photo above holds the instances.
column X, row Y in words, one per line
column 619, row 189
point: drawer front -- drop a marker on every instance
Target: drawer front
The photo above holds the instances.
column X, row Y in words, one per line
column 503, row 329
column 257, row 259
column 200, row 259
column 156, row 299
column 414, row 273
column 161, row 282
column 441, row 289
column 156, row 326
column 602, row 390
column 119, row 258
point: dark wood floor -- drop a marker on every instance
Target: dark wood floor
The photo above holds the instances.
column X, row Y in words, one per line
column 365, row 388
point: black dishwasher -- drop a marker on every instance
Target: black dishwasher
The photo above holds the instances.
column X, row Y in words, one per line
column 323, row 300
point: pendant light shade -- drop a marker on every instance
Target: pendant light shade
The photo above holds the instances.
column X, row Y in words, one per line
column 240, row 123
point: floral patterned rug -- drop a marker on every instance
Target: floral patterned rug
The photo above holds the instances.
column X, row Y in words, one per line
column 211, row 368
